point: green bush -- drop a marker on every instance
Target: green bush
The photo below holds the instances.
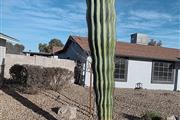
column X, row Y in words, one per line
column 149, row 115
column 32, row 77
column 18, row 74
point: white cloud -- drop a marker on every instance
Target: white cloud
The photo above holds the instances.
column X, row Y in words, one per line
column 71, row 18
column 144, row 20
column 33, row 15
column 151, row 15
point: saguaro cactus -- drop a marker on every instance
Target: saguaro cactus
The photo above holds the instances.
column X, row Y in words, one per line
column 101, row 18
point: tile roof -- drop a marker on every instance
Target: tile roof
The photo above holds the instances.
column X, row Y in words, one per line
column 136, row 50
column 56, row 49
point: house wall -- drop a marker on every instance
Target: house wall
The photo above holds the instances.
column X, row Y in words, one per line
column 12, row 59
column 88, row 72
column 2, row 54
column 178, row 75
column 2, row 58
column 178, row 83
column 138, row 72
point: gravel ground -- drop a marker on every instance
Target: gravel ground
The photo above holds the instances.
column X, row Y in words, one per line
column 129, row 104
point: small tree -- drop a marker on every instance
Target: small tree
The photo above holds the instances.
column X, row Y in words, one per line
column 152, row 42
column 54, row 43
column 48, row 48
column 159, row 43
column 19, row 48
column 9, row 48
column 14, row 49
column 43, row 47
column 155, row 43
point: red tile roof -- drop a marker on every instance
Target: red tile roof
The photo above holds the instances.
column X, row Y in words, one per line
column 136, row 50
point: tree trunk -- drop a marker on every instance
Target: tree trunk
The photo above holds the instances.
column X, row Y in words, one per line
column 101, row 19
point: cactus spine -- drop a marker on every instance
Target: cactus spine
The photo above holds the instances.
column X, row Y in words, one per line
column 101, row 19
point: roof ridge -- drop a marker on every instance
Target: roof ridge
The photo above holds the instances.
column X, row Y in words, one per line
column 134, row 50
column 160, row 47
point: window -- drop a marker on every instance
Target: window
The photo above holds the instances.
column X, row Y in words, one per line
column 120, row 72
column 163, row 72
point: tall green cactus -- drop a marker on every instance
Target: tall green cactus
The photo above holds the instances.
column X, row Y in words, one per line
column 101, row 19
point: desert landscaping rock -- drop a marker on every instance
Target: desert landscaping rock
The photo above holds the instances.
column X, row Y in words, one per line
column 171, row 118
column 73, row 113
column 67, row 112
column 128, row 103
column 62, row 110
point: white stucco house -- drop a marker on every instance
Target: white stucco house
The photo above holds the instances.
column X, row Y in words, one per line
column 136, row 62
column 3, row 39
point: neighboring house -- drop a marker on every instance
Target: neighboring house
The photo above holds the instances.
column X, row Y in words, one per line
column 13, row 45
column 9, row 39
column 3, row 39
column 155, row 67
column 50, row 55
column 38, row 54
column 56, row 49
column 2, row 57
column 73, row 51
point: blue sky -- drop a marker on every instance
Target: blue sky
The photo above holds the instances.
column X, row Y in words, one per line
column 38, row 21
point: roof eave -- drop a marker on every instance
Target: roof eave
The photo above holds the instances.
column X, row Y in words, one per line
column 8, row 38
column 150, row 58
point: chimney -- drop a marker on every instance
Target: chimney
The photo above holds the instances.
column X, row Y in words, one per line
column 139, row 38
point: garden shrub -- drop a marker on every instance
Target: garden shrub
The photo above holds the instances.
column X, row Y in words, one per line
column 149, row 115
column 18, row 74
column 31, row 77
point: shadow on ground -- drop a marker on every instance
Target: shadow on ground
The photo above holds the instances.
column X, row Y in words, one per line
column 24, row 101
column 84, row 110
column 131, row 117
